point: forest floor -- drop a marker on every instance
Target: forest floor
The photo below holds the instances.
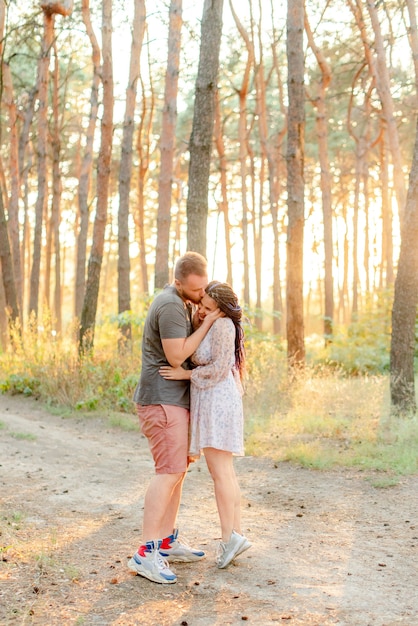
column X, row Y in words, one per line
column 328, row 547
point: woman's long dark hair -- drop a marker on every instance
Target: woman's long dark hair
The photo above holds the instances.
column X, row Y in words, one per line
column 228, row 303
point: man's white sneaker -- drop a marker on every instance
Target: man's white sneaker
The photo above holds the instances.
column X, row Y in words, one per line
column 174, row 549
column 236, row 545
column 149, row 563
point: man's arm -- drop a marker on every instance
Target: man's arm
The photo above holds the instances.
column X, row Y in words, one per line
column 178, row 350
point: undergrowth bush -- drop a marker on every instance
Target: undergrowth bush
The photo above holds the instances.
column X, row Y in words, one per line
column 335, row 412
column 50, row 368
column 363, row 346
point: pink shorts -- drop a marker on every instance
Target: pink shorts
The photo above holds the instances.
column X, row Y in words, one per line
column 167, row 429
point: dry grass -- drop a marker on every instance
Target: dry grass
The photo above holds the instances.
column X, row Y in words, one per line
column 330, row 420
column 322, row 417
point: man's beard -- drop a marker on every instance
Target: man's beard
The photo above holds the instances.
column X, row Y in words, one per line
column 186, row 296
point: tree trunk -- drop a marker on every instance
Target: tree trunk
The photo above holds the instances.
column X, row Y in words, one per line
column 379, row 70
column 404, row 312
column 89, row 311
column 125, row 174
column 86, row 166
column 242, row 92
column 277, row 175
column 387, row 272
column 167, row 145
column 366, row 250
column 266, row 156
column 26, row 235
column 413, row 36
column 220, row 147
column 356, row 202
column 202, row 129
column 4, row 334
column 56, row 196
column 295, row 184
column 6, row 267
column 25, row 167
column 383, row 87
column 13, row 205
column 42, row 84
column 143, row 149
column 322, row 123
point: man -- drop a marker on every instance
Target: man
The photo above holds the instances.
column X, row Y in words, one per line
column 163, row 410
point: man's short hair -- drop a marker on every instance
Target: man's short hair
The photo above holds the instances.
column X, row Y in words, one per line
column 190, row 263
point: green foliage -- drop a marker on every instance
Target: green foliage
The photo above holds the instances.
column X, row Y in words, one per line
column 362, row 347
column 20, row 383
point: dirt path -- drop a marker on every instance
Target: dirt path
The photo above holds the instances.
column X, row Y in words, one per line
column 329, row 548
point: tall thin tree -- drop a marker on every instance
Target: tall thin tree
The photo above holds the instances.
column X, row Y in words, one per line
column 13, row 204
column 404, row 311
column 86, row 164
column 203, row 122
column 167, row 144
column 295, row 184
column 42, row 142
column 242, row 92
column 223, row 202
column 89, row 311
column 125, row 171
column 326, row 192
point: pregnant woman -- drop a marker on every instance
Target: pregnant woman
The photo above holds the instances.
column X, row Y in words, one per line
column 216, row 413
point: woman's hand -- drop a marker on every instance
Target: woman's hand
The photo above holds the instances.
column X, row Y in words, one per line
column 174, row 373
column 212, row 316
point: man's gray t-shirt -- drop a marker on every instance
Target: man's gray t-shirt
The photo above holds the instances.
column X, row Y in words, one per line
column 168, row 318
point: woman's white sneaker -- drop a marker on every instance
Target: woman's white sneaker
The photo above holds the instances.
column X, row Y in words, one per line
column 236, row 545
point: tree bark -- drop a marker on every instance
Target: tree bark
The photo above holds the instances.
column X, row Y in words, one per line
column 266, row 157
column 295, row 184
column 383, row 88
column 201, row 138
column 404, row 311
column 42, row 83
column 143, row 150
column 242, row 92
column 220, row 147
column 89, row 311
column 13, row 205
column 387, row 271
column 56, row 195
column 322, row 123
column 167, row 145
column 86, row 166
column 413, row 36
column 6, row 267
column 276, row 178
column 26, row 162
column 379, row 70
column 125, row 172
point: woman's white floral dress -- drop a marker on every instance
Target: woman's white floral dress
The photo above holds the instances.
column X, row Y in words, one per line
column 216, row 413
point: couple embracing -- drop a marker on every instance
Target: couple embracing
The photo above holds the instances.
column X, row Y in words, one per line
column 188, row 407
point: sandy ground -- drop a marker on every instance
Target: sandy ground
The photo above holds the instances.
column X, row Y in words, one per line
column 328, row 547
